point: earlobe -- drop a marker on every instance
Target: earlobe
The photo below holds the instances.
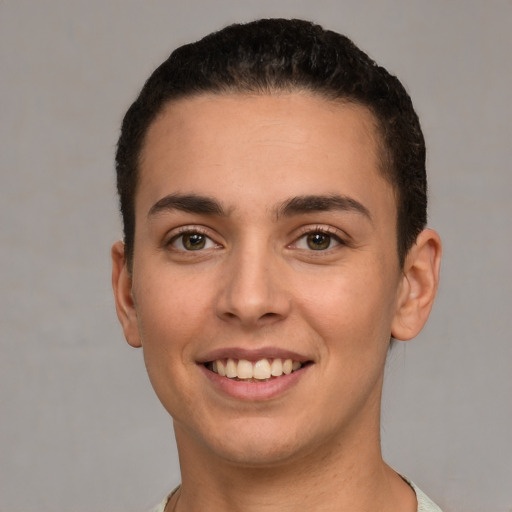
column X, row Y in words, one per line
column 418, row 289
column 122, row 287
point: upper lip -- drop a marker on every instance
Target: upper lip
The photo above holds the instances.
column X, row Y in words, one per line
column 252, row 354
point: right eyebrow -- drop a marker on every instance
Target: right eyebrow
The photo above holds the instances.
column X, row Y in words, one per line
column 190, row 203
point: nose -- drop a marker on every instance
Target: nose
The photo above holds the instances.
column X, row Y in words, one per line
column 254, row 292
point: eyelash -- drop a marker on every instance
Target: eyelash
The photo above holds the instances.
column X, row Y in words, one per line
column 329, row 232
column 190, row 230
column 306, row 231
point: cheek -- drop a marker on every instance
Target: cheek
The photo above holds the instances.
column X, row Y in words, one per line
column 353, row 309
column 171, row 317
column 172, row 314
column 171, row 302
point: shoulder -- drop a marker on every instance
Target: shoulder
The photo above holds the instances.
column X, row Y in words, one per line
column 161, row 506
column 425, row 504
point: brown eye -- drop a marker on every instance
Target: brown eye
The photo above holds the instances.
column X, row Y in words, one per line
column 318, row 241
column 192, row 241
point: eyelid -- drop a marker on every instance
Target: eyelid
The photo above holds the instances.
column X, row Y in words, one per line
column 323, row 228
column 175, row 233
column 339, row 236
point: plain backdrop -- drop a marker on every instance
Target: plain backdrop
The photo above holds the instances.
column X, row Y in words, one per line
column 80, row 429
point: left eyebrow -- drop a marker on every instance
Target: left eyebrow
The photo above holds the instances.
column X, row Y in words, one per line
column 320, row 203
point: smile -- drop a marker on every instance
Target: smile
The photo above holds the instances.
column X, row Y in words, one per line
column 261, row 370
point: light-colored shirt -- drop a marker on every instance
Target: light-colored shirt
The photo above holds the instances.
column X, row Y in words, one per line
column 425, row 504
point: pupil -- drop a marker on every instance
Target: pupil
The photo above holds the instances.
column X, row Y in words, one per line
column 194, row 241
column 318, row 241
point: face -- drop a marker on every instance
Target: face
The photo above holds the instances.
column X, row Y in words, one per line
column 265, row 278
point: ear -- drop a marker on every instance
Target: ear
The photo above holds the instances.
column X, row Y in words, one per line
column 122, row 287
column 419, row 284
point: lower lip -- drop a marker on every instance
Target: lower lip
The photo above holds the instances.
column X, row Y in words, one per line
column 254, row 391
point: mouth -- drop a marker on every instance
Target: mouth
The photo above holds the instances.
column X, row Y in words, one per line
column 262, row 370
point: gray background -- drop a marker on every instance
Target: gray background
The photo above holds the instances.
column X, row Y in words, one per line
column 80, row 429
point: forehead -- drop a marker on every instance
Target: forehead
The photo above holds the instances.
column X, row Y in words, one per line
column 260, row 144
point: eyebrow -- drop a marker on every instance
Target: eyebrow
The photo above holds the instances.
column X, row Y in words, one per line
column 193, row 203
column 321, row 203
column 190, row 203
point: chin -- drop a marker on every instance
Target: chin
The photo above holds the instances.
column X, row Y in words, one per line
column 259, row 444
column 257, row 455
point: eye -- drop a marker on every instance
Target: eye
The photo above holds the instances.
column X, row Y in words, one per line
column 192, row 241
column 317, row 241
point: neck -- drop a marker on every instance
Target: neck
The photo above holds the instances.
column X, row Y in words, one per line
column 334, row 477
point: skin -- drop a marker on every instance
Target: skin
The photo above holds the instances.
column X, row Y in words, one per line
column 257, row 285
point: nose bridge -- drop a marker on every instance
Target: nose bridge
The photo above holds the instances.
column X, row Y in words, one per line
column 253, row 292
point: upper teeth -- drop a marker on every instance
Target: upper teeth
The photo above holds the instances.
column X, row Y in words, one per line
column 262, row 369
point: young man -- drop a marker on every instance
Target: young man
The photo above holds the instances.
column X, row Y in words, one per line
column 273, row 193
